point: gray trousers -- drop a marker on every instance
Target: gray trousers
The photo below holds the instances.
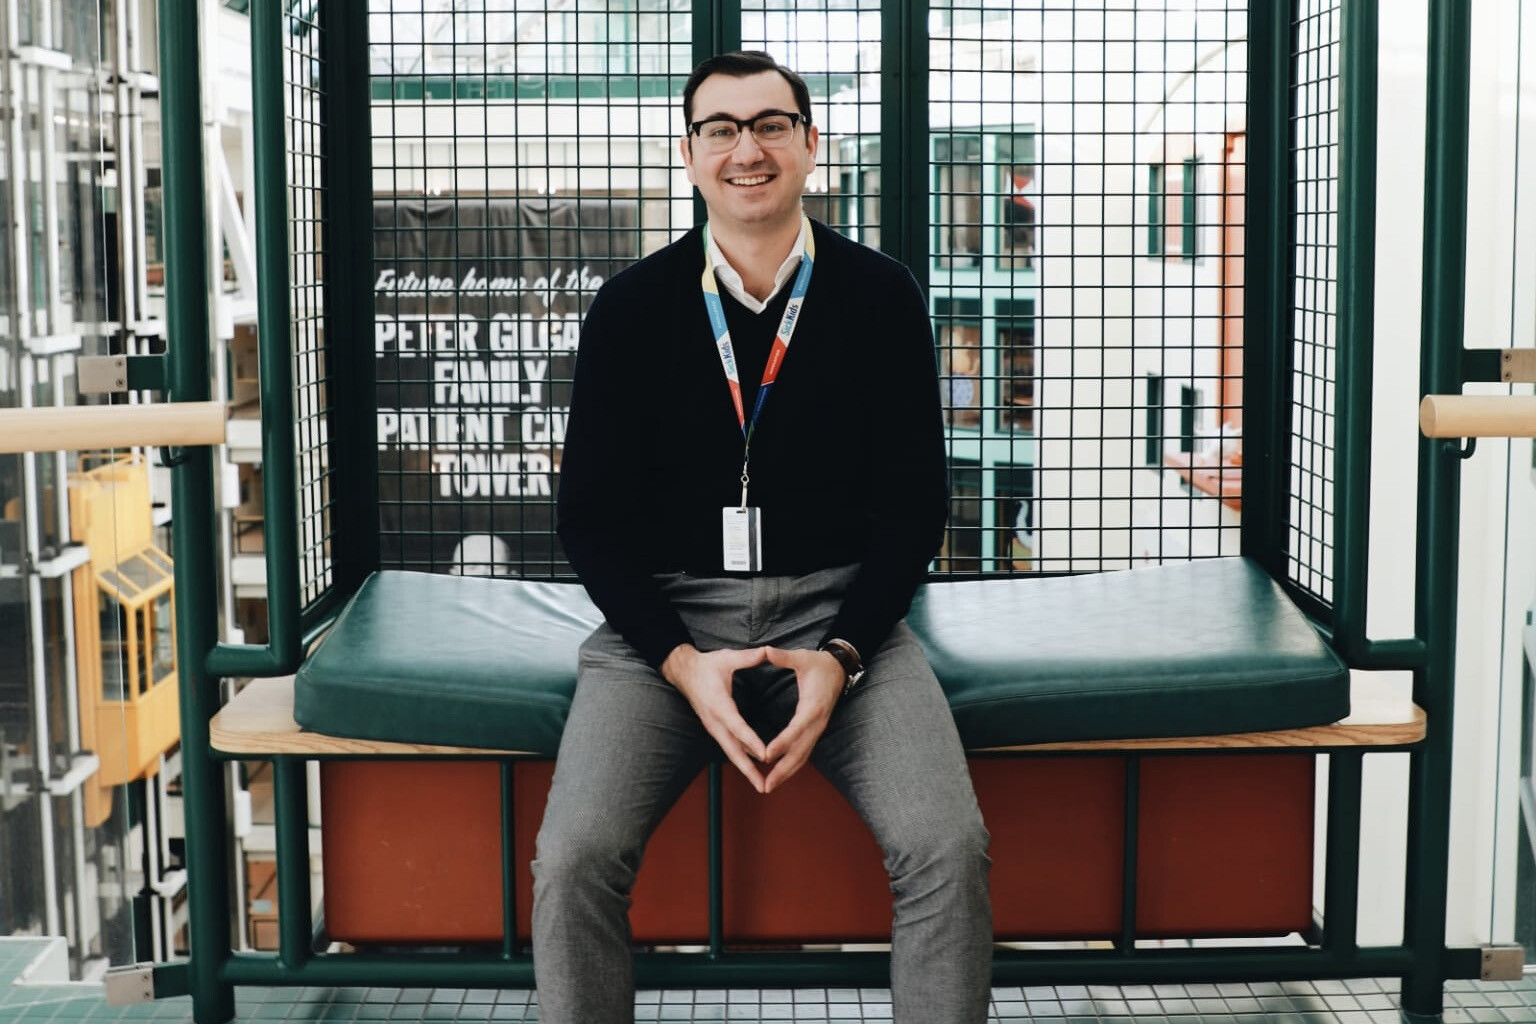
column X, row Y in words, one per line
column 633, row 744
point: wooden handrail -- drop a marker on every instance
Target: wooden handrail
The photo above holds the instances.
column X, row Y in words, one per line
column 1478, row 416
column 83, row 427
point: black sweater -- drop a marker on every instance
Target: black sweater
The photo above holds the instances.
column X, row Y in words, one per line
column 847, row 459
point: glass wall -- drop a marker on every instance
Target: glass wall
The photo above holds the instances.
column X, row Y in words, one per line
column 72, row 843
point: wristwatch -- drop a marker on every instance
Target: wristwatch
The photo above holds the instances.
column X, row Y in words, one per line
column 847, row 656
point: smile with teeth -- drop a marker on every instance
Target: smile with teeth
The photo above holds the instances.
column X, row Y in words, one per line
column 756, row 179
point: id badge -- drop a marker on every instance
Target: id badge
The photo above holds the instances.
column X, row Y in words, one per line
column 743, row 535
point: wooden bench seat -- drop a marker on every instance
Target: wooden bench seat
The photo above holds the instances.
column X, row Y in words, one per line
column 259, row 723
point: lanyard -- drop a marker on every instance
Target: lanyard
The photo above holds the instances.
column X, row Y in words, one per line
column 781, row 339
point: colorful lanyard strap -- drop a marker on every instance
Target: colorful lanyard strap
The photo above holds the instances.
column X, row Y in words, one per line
column 780, row 340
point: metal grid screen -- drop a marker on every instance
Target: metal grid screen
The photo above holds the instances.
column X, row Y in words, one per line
column 303, row 107
column 1315, row 141
column 1084, row 228
column 835, row 45
column 1087, row 179
column 522, row 155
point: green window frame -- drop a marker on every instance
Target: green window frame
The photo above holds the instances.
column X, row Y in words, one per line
column 1156, row 410
column 1154, row 209
column 1015, row 176
column 1190, row 208
column 958, row 336
column 957, row 201
column 1174, row 206
column 1016, row 365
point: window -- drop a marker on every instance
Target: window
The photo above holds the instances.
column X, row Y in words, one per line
column 1015, row 532
column 957, row 201
column 1016, row 369
column 859, row 191
column 958, row 330
column 961, row 550
column 1016, row 201
column 1173, row 209
column 1189, row 400
column 1155, row 413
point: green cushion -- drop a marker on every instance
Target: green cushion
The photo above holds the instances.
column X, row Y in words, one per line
column 1183, row 650
column 1191, row 649
column 454, row 660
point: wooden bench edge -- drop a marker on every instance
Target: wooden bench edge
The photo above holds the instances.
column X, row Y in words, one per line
column 259, row 721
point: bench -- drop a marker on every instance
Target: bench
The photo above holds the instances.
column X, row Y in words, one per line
column 1143, row 745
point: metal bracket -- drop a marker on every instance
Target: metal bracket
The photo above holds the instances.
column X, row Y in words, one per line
column 102, row 375
column 1518, row 366
column 115, row 375
column 130, row 985
column 1503, row 963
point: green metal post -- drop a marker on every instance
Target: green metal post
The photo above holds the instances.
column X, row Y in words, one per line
column 716, row 880
column 1357, row 343
column 1356, row 324
column 187, row 332
column 716, row 29
column 282, row 652
column 1130, row 846
column 1439, row 501
column 351, row 401
column 508, row 862
column 820, row 969
column 904, row 135
column 1341, row 879
column 295, row 922
column 1267, row 287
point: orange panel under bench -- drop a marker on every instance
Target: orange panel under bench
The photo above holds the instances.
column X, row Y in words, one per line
column 412, row 852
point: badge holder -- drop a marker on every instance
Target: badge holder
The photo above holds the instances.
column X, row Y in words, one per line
column 741, row 528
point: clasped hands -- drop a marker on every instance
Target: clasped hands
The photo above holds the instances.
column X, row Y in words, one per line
column 705, row 679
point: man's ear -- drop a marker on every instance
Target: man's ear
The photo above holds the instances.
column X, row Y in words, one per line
column 685, row 148
column 812, row 142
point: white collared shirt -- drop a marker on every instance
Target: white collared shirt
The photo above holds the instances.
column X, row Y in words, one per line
column 732, row 282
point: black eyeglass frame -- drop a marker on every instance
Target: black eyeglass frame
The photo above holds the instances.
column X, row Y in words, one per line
column 748, row 124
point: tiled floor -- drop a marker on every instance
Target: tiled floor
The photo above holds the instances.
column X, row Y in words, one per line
column 1357, row 1002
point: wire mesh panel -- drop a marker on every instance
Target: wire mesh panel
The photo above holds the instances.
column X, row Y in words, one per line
column 303, row 109
column 835, row 45
column 1086, row 271
column 1315, row 138
column 522, row 153
column 1086, row 180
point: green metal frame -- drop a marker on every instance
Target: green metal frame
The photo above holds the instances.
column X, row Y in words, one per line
column 1421, row 960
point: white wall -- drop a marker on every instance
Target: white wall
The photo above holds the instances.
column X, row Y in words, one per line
column 1110, row 314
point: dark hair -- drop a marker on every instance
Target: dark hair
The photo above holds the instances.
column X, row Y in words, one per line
column 742, row 64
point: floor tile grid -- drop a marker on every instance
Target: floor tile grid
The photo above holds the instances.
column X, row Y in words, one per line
column 1322, row 1002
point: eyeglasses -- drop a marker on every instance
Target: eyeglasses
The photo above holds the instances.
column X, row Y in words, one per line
column 770, row 130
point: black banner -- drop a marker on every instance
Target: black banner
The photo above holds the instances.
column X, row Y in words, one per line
column 477, row 315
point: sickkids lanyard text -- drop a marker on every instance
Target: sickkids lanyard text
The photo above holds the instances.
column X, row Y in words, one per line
column 776, row 355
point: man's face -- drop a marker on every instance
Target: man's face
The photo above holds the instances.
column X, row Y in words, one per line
column 749, row 186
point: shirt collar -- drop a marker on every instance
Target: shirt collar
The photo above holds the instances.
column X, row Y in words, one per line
column 732, row 282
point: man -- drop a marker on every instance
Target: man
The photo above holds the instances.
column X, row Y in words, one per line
column 753, row 550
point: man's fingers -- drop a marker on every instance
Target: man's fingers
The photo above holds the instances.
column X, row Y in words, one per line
column 744, row 755
column 747, row 736
column 747, row 767
column 785, row 740
column 747, row 657
column 780, row 657
column 728, row 715
column 785, row 769
column 728, row 728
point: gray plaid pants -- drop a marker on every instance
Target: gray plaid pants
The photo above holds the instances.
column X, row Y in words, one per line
column 632, row 745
